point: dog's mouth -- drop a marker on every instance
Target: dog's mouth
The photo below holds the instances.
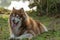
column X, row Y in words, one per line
column 15, row 23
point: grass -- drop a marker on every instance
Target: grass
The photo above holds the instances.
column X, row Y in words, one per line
column 4, row 27
column 51, row 35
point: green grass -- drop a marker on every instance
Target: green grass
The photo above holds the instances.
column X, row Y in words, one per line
column 4, row 27
column 50, row 35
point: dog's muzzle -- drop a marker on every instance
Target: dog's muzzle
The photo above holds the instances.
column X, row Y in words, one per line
column 15, row 21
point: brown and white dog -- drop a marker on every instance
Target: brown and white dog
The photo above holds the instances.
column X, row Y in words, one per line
column 23, row 26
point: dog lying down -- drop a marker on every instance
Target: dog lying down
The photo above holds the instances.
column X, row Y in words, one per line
column 22, row 26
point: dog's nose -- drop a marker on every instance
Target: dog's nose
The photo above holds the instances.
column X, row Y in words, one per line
column 13, row 20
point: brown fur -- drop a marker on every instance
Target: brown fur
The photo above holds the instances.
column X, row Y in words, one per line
column 28, row 24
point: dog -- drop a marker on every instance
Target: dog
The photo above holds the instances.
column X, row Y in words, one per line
column 22, row 26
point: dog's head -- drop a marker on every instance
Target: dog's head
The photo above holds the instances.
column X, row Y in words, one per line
column 17, row 17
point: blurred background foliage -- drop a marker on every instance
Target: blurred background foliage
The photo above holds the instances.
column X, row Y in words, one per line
column 4, row 11
column 44, row 7
column 47, row 7
column 50, row 8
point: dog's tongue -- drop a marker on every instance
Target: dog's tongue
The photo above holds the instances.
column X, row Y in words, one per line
column 14, row 25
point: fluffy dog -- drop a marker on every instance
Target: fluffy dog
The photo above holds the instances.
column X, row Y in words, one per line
column 23, row 26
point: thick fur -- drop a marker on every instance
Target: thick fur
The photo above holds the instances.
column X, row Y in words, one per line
column 28, row 27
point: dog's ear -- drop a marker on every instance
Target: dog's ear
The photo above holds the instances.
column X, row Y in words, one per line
column 14, row 8
column 22, row 10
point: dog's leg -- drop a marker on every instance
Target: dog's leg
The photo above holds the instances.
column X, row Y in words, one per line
column 11, row 35
column 28, row 36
